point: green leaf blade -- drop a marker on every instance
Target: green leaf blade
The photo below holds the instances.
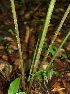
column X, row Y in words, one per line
column 14, row 86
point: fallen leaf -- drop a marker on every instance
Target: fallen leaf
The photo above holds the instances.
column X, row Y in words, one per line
column 58, row 63
column 5, row 69
column 68, row 74
column 2, row 48
column 28, row 31
column 58, row 88
column 1, row 92
column 8, row 38
column 17, row 63
column 44, row 66
column 5, row 57
column 14, row 47
column 64, row 83
column 61, row 9
column 68, row 46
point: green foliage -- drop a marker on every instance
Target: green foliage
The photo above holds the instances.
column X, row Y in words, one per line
column 10, row 30
column 38, row 21
column 63, row 56
column 53, row 49
column 45, row 46
column 43, row 74
column 21, row 1
column 14, row 87
column 9, row 47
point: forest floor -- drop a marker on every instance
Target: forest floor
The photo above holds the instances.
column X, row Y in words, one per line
column 31, row 18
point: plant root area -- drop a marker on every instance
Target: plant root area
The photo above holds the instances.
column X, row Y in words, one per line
column 31, row 17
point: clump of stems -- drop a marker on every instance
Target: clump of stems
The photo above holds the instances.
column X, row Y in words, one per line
column 55, row 35
column 40, row 43
column 39, row 49
column 18, row 42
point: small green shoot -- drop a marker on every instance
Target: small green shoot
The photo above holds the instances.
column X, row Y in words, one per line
column 63, row 56
column 21, row 1
column 45, row 46
column 53, row 49
column 45, row 75
column 10, row 30
column 38, row 21
column 9, row 47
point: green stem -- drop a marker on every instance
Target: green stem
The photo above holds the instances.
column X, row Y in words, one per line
column 18, row 42
column 34, row 57
column 48, row 17
column 58, row 50
column 33, row 61
column 56, row 33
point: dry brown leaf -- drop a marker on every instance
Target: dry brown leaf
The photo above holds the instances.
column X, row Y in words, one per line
column 68, row 46
column 5, row 69
column 62, row 51
column 44, row 66
column 28, row 31
column 61, row 9
column 17, row 63
column 2, row 66
column 24, row 55
column 64, row 83
column 68, row 74
column 8, row 38
column 58, row 88
column 14, row 43
column 58, row 63
column 58, row 40
column 5, row 57
column 34, row 92
column 14, row 47
column 1, row 92
column 32, row 40
column 7, row 22
column 2, row 48
column 51, row 25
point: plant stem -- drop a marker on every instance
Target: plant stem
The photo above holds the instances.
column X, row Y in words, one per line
column 18, row 42
column 33, row 61
column 48, row 17
column 50, row 10
column 34, row 57
column 56, row 33
column 58, row 50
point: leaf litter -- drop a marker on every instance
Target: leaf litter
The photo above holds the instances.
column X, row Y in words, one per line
column 30, row 22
